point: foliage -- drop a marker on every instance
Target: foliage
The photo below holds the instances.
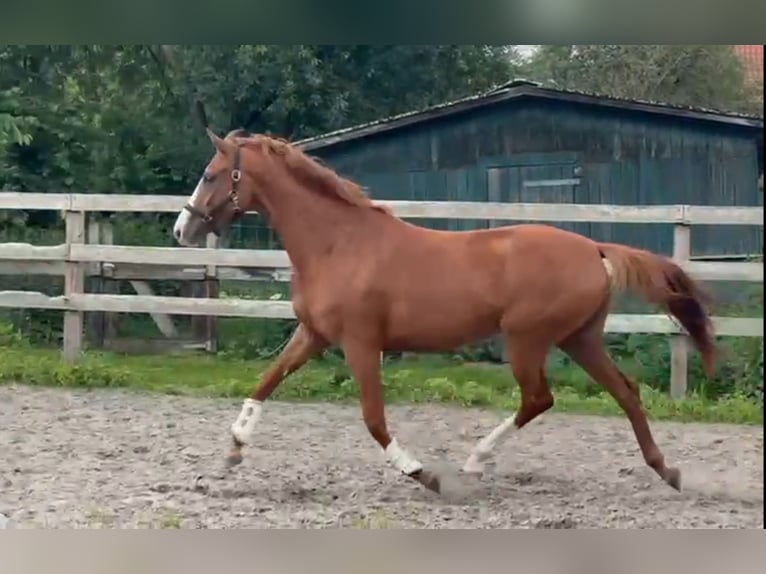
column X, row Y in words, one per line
column 325, row 379
column 117, row 118
column 300, row 90
column 709, row 76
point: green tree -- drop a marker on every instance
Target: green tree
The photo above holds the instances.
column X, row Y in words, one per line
column 702, row 76
column 117, row 118
column 302, row 90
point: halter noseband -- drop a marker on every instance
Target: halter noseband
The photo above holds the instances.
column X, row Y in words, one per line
column 231, row 197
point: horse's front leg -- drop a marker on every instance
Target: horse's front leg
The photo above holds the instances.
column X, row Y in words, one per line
column 364, row 361
column 303, row 345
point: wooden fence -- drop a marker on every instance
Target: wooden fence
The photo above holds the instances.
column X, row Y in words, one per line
column 90, row 253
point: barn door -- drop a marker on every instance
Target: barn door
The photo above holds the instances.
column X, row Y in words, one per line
column 536, row 179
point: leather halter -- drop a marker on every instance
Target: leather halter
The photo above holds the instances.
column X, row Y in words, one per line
column 231, row 197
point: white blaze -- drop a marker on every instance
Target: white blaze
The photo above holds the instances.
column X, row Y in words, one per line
column 180, row 229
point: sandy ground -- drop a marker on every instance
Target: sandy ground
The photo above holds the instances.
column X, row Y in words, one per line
column 123, row 460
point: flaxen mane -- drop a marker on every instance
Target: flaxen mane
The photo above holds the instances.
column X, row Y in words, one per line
column 310, row 170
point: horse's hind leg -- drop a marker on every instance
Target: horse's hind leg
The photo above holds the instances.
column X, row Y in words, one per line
column 527, row 358
column 301, row 347
column 586, row 349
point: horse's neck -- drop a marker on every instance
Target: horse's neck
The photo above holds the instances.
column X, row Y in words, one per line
column 310, row 225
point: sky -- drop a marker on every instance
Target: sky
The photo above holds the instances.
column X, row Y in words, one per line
column 526, row 50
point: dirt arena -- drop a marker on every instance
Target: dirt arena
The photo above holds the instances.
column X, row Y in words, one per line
column 122, row 460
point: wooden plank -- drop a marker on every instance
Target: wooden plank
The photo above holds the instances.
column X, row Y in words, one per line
column 111, row 320
column 701, row 270
column 94, row 232
column 715, row 215
column 192, row 256
column 28, row 252
column 211, row 291
column 19, row 267
column 186, row 306
column 95, row 321
column 540, row 212
column 157, row 304
column 725, row 270
column 253, row 274
column 242, row 265
column 729, row 215
column 679, row 365
column 74, row 283
column 662, row 324
column 35, row 201
column 163, row 321
column 240, row 258
column 616, row 323
column 133, row 262
column 132, row 271
column 679, row 353
column 128, row 202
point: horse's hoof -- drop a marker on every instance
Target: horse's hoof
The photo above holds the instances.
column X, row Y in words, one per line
column 428, row 479
column 476, row 464
column 472, row 473
column 233, row 459
column 473, row 467
column 673, row 478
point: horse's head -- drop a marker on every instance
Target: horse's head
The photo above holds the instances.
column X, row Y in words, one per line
column 223, row 194
column 244, row 175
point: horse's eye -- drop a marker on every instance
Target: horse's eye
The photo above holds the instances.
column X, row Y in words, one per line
column 208, row 177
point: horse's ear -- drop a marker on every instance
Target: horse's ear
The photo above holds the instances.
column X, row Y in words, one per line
column 220, row 144
column 199, row 111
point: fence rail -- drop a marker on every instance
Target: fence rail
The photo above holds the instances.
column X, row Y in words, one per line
column 564, row 212
column 268, row 259
column 90, row 254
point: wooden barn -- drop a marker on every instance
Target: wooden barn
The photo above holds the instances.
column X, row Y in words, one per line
column 526, row 143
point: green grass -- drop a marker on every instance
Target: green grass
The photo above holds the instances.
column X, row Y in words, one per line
column 417, row 380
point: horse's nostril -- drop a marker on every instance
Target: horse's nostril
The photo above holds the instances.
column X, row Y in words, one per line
column 177, row 233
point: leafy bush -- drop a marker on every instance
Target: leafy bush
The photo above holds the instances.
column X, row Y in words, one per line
column 414, row 380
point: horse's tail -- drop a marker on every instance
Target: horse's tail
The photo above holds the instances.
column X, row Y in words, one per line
column 661, row 281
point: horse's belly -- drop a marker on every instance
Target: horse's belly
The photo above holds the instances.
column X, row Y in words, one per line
column 439, row 327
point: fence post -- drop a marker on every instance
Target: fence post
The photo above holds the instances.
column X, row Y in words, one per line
column 679, row 350
column 74, row 282
column 211, row 291
column 95, row 320
column 110, row 285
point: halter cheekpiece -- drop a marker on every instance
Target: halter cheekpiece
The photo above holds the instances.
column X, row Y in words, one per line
column 231, row 197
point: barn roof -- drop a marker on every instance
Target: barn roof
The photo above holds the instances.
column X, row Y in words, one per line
column 519, row 89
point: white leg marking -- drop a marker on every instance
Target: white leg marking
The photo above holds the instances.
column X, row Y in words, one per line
column 182, row 221
column 400, row 459
column 244, row 427
column 483, row 449
column 609, row 268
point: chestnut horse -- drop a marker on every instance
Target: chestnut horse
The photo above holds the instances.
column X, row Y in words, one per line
column 368, row 281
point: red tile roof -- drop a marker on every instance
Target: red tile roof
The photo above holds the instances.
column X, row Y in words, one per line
column 752, row 58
